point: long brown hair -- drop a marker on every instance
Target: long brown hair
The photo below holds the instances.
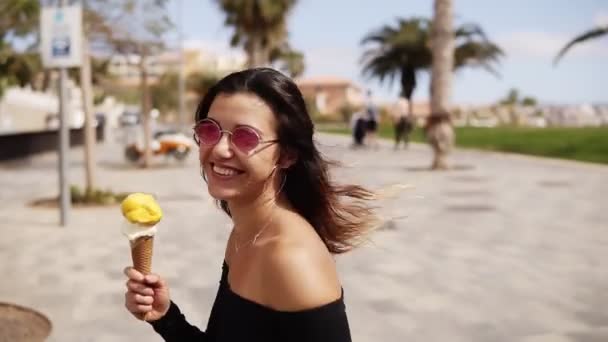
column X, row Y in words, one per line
column 340, row 214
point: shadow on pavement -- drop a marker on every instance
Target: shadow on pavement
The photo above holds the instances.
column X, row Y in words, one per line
column 456, row 167
column 124, row 166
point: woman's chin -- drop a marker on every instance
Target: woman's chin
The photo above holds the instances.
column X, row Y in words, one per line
column 223, row 194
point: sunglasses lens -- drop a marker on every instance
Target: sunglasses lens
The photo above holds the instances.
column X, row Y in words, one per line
column 245, row 139
column 208, row 133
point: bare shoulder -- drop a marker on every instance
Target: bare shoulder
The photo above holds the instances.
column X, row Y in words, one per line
column 299, row 275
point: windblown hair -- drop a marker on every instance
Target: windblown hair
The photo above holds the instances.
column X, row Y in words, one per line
column 340, row 214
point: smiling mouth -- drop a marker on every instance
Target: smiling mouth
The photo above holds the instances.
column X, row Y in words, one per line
column 224, row 171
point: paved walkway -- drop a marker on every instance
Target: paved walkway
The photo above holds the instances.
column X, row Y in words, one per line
column 503, row 248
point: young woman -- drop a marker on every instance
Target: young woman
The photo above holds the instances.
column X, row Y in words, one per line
column 279, row 279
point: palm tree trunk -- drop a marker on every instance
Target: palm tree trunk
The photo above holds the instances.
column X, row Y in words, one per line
column 250, row 55
column 256, row 53
column 439, row 129
column 145, row 110
column 87, row 106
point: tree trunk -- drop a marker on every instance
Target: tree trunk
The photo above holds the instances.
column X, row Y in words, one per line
column 250, row 57
column 87, row 107
column 439, row 128
column 256, row 53
column 145, row 111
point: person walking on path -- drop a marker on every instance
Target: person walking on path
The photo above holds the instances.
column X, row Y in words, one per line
column 403, row 122
column 372, row 117
column 358, row 126
column 260, row 162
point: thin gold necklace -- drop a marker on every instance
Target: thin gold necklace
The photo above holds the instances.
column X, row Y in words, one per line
column 238, row 246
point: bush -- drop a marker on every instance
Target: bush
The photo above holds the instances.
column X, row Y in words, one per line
column 346, row 112
column 95, row 196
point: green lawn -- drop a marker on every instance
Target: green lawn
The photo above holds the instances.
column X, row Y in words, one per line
column 585, row 144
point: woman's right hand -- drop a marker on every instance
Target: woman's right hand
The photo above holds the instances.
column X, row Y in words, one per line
column 147, row 297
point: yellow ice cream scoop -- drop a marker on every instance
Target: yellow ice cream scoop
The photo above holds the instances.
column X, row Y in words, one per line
column 141, row 208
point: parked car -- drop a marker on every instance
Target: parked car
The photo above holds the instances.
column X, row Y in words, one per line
column 129, row 118
column 165, row 143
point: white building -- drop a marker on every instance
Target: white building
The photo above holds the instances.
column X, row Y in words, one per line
column 26, row 110
column 126, row 67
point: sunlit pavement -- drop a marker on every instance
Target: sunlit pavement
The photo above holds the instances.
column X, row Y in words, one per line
column 500, row 248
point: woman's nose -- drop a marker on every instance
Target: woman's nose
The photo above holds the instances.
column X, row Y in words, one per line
column 223, row 148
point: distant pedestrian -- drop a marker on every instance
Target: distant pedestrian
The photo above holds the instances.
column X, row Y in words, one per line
column 403, row 122
column 371, row 116
column 358, row 126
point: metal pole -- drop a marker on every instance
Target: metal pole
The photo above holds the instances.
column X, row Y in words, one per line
column 64, row 145
column 181, row 86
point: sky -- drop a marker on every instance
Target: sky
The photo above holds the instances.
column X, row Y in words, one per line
column 530, row 32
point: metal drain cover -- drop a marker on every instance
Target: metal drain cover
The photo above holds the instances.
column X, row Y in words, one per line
column 19, row 324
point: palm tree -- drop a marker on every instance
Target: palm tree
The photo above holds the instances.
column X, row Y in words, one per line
column 591, row 34
column 439, row 131
column 399, row 51
column 404, row 51
column 289, row 61
column 259, row 26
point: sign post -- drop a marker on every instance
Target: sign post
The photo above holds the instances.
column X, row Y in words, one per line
column 61, row 39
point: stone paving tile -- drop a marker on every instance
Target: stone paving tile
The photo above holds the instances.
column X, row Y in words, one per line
column 501, row 248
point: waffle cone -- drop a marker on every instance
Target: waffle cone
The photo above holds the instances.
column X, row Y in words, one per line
column 141, row 253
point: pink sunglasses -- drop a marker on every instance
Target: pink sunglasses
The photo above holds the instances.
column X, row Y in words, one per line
column 207, row 132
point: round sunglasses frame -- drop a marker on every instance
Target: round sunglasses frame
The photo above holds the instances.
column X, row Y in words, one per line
column 230, row 134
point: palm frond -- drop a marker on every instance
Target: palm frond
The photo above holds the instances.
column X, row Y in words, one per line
column 379, row 36
column 404, row 49
column 591, row 34
column 474, row 53
column 259, row 25
column 470, row 30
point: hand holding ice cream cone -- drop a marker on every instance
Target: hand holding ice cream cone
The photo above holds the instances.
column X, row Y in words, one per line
column 147, row 297
column 142, row 214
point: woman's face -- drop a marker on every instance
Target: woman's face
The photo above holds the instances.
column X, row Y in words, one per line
column 234, row 174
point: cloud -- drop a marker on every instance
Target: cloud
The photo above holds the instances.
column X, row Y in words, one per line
column 545, row 45
column 601, row 18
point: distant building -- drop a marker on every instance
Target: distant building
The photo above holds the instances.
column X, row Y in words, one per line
column 125, row 68
column 420, row 110
column 26, row 110
column 201, row 60
column 331, row 93
column 534, row 116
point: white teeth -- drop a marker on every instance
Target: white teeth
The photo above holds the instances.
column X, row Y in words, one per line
column 223, row 171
